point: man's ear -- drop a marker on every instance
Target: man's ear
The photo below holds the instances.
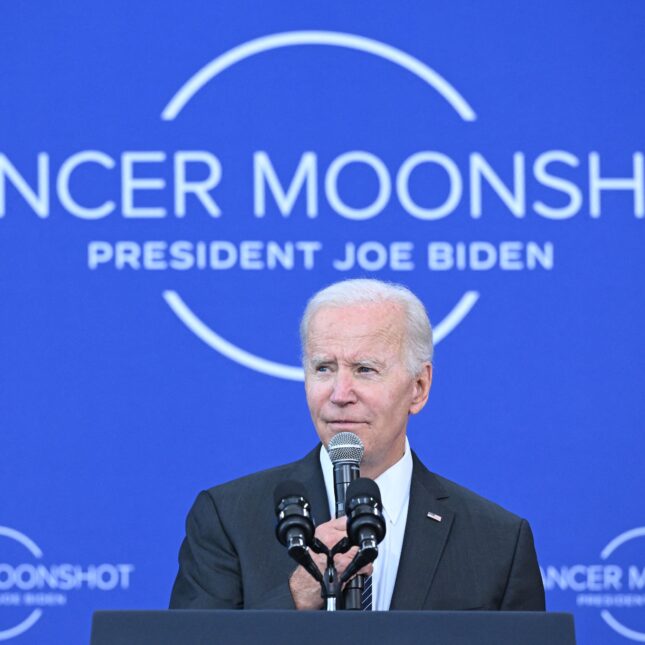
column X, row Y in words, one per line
column 422, row 384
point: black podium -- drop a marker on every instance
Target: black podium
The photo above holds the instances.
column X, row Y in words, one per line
column 207, row 627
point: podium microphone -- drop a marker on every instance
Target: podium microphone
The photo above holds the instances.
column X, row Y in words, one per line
column 295, row 527
column 365, row 523
column 346, row 452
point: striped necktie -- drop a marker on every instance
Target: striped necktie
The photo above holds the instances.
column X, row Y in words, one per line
column 366, row 598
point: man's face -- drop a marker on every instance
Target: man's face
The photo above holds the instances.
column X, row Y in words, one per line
column 356, row 380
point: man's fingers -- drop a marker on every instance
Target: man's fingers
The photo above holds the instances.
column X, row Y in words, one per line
column 337, row 524
column 332, row 532
column 342, row 560
column 320, row 559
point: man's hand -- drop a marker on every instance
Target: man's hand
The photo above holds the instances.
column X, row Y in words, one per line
column 304, row 588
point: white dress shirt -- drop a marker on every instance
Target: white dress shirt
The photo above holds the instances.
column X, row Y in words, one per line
column 394, row 485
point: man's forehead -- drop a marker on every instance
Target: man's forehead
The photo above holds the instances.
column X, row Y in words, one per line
column 362, row 324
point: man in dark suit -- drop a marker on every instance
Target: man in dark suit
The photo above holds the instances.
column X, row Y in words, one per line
column 367, row 353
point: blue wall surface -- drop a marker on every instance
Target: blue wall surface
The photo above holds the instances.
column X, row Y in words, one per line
column 176, row 179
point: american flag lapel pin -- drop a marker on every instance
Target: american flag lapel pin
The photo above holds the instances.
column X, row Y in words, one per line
column 434, row 516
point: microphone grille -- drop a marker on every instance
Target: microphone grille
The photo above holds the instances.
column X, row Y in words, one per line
column 345, row 446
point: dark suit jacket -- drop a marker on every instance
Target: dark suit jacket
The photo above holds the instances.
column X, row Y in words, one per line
column 479, row 556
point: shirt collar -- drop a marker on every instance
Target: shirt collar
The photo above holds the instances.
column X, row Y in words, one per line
column 394, row 484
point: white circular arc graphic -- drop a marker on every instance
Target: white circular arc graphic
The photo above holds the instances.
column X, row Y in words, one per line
column 620, row 628
column 331, row 38
column 621, row 539
column 22, row 627
column 21, row 538
column 291, row 39
column 272, row 368
column 33, row 617
column 605, row 613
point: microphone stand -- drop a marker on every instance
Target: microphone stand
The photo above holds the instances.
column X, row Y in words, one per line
column 331, row 583
column 353, row 593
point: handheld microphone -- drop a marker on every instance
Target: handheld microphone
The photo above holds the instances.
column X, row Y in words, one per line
column 345, row 451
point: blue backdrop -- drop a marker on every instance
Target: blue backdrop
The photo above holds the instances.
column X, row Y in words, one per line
column 176, row 179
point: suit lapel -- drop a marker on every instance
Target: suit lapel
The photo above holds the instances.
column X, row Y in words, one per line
column 424, row 540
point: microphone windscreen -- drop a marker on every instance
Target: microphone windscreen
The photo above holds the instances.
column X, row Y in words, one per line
column 288, row 488
column 363, row 487
column 347, row 447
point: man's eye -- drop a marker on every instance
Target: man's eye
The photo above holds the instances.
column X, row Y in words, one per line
column 363, row 369
column 322, row 368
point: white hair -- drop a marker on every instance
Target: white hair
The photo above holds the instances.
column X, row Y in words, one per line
column 418, row 348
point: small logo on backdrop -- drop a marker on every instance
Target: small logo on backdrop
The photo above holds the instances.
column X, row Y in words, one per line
column 615, row 585
column 30, row 585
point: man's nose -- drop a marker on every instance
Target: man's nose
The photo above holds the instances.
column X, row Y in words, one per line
column 343, row 391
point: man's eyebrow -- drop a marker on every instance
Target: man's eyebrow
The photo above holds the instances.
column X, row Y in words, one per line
column 319, row 358
column 368, row 362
